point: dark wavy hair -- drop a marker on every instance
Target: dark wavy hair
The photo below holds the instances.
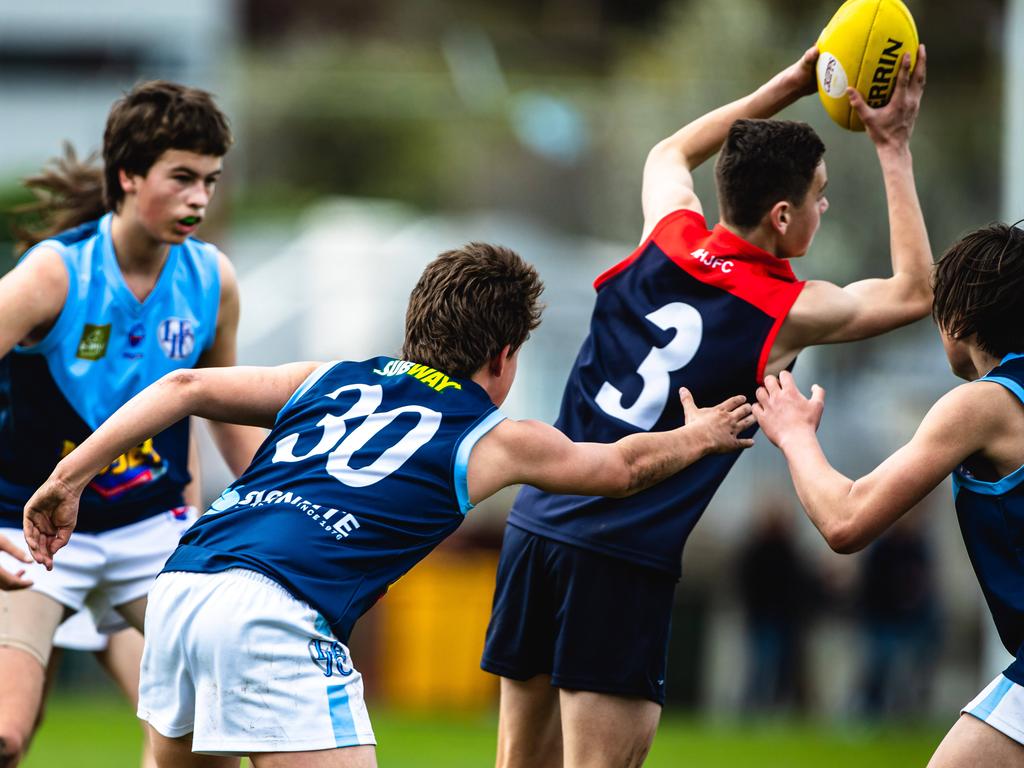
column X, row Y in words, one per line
column 762, row 162
column 468, row 305
column 979, row 289
column 151, row 118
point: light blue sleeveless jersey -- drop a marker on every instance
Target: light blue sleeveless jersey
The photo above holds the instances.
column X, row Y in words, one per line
column 363, row 474
column 105, row 347
column 991, row 516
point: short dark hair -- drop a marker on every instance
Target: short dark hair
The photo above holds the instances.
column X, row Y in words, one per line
column 467, row 305
column 153, row 117
column 761, row 163
column 979, row 289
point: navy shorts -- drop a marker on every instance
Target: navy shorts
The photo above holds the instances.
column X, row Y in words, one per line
column 590, row 621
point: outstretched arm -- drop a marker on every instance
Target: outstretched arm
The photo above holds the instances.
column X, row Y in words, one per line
column 825, row 313
column 537, row 454
column 668, row 183
column 850, row 514
column 250, row 396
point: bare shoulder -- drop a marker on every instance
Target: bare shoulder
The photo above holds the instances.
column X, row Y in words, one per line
column 228, row 275
column 46, row 265
column 35, row 290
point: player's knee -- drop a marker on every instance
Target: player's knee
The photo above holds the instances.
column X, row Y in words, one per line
column 13, row 741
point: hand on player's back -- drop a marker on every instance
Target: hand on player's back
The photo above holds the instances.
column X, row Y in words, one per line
column 50, row 517
column 720, row 425
column 893, row 124
column 781, row 408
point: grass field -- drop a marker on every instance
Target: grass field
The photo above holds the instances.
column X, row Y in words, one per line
column 84, row 733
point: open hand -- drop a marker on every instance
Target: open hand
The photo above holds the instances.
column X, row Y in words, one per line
column 720, row 424
column 50, row 517
column 10, row 580
column 894, row 123
column 780, row 407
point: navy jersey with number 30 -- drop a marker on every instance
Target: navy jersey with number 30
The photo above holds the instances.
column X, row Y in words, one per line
column 363, row 474
column 690, row 307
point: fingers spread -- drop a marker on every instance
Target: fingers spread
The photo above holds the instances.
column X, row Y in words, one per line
column 817, row 394
column 771, row 384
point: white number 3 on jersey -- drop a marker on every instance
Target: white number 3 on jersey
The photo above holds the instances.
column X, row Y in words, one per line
column 656, row 367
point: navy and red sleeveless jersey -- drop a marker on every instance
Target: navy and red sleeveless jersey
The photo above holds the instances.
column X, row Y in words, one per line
column 991, row 516
column 690, row 307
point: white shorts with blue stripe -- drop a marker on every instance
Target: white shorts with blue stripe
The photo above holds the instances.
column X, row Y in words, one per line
column 238, row 662
column 1000, row 705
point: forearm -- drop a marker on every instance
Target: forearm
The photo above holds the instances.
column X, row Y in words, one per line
column 824, row 493
column 908, row 237
column 697, row 141
column 655, row 456
column 150, row 412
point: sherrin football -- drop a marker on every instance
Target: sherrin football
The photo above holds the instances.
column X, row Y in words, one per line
column 862, row 46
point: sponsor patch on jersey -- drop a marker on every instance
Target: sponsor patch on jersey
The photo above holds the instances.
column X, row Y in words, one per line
column 93, row 344
column 336, row 522
column 177, row 337
column 432, row 377
column 136, row 335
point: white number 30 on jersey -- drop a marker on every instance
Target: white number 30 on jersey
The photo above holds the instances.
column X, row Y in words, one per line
column 343, row 444
column 656, row 367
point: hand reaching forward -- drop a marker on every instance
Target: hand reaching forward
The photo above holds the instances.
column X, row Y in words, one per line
column 10, row 580
column 50, row 517
column 781, row 409
column 720, row 425
column 893, row 124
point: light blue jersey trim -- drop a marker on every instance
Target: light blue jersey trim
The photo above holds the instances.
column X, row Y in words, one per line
column 489, row 422
column 344, row 725
column 1011, row 356
column 305, row 386
column 984, row 710
column 1010, row 384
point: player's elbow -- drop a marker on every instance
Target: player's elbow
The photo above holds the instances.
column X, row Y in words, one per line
column 182, row 384
column 843, row 538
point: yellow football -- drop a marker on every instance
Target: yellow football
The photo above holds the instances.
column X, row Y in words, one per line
column 862, row 47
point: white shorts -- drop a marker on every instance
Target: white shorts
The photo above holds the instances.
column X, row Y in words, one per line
column 1000, row 705
column 236, row 660
column 108, row 569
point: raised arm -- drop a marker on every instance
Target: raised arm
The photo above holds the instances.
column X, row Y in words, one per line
column 668, row 183
column 850, row 514
column 251, row 396
column 537, row 454
column 236, row 443
column 825, row 313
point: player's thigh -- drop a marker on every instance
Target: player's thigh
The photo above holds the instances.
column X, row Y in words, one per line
column 971, row 743
column 134, row 612
column 345, row 757
column 177, row 753
column 600, row 729
column 122, row 659
column 529, row 724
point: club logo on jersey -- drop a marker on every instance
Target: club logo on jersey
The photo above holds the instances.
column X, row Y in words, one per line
column 138, row 466
column 330, row 657
column 433, row 378
column 177, row 337
column 93, row 344
column 136, row 335
column 714, row 262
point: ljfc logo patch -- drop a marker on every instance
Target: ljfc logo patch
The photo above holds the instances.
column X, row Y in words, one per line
column 177, row 337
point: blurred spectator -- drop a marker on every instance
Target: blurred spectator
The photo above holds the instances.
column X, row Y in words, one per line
column 900, row 620
column 776, row 588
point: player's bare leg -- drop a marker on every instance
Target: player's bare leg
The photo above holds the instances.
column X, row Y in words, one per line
column 27, row 623
column 134, row 612
column 121, row 659
column 971, row 743
column 529, row 724
column 602, row 730
column 346, row 757
column 177, row 753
